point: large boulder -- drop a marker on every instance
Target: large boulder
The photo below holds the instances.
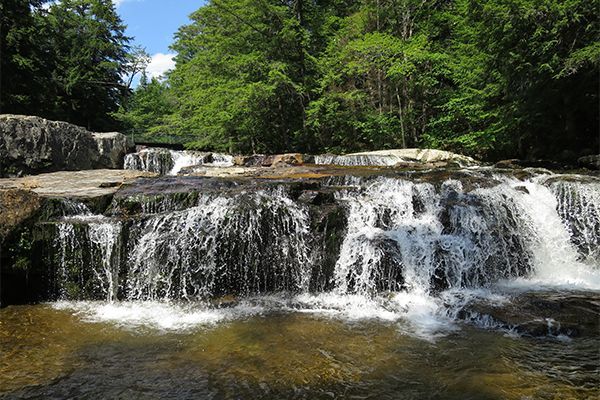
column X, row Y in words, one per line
column 31, row 145
column 112, row 146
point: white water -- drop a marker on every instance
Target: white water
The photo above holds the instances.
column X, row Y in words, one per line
column 556, row 260
column 171, row 162
column 198, row 247
column 358, row 160
column 102, row 236
column 413, row 254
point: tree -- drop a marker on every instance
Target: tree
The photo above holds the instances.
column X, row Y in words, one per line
column 145, row 114
column 20, row 63
column 89, row 48
column 137, row 62
column 244, row 73
column 490, row 78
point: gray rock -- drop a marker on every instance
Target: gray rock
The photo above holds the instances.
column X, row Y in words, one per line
column 112, row 146
column 591, row 162
column 33, row 145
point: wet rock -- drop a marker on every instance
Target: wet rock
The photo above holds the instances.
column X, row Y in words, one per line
column 16, row 206
column 543, row 314
column 317, row 197
column 328, row 225
column 522, row 189
column 112, row 146
column 255, row 160
column 33, row 145
column 590, row 162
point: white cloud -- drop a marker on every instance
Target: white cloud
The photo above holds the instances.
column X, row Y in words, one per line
column 160, row 64
column 119, row 2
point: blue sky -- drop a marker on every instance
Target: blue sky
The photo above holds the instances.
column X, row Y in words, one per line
column 153, row 23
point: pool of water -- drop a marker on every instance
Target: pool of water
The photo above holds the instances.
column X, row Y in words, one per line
column 102, row 350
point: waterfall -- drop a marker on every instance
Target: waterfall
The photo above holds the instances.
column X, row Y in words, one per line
column 89, row 256
column 578, row 205
column 565, row 235
column 171, row 162
column 413, row 246
column 358, row 160
column 255, row 242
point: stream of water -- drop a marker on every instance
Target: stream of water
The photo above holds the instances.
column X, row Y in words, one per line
column 395, row 288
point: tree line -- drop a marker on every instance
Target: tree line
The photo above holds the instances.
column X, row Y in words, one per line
column 489, row 78
column 66, row 60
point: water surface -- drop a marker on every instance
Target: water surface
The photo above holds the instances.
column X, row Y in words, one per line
column 102, row 350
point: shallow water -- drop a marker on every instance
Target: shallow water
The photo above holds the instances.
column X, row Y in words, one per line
column 251, row 351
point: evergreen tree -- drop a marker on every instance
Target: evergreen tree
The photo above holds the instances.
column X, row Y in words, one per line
column 21, row 66
column 64, row 61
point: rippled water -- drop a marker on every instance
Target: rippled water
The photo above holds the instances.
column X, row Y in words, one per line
column 265, row 349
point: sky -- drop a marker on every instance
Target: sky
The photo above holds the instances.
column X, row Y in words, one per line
column 152, row 24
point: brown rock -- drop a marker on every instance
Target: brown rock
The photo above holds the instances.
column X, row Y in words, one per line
column 255, row 160
column 288, row 159
column 81, row 185
column 16, row 206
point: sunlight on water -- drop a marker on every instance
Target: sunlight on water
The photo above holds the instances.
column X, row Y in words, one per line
column 393, row 288
column 59, row 352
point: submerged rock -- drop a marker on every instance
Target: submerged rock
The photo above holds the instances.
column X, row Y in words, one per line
column 541, row 314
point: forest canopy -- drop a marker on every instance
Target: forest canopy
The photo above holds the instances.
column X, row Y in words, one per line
column 489, row 78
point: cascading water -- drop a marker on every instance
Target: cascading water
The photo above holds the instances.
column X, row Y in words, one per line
column 441, row 284
column 357, row 160
column 255, row 242
column 405, row 249
column 578, row 205
column 88, row 244
column 171, row 162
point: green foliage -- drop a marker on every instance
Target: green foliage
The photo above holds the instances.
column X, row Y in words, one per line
column 489, row 78
column 145, row 113
column 63, row 62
